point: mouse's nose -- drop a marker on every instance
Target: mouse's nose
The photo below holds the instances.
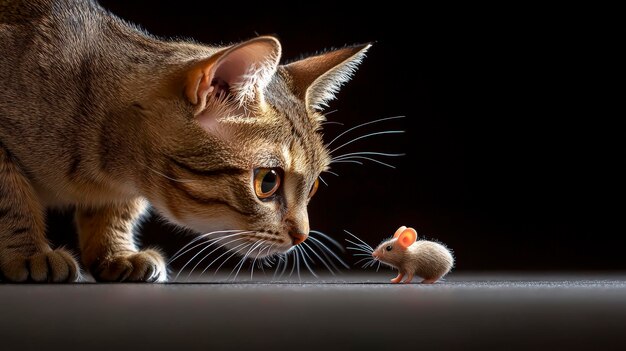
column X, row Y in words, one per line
column 297, row 237
column 375, row 254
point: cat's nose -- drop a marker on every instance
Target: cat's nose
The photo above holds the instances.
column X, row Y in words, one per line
column 297, row 237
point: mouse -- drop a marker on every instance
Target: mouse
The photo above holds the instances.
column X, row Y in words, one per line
column 423, row 258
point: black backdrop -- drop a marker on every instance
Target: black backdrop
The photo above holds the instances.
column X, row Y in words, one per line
column 516, row 168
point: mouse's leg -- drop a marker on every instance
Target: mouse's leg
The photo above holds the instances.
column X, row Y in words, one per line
column 430, row 281
column 408, row 278
column 398, row 278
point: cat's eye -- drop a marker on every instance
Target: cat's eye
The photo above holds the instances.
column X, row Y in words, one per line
column 388, row 248
column 314, row 187
column 266, row 182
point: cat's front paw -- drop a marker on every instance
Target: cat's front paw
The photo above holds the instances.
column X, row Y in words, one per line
column 144, row 266
column 56, row 266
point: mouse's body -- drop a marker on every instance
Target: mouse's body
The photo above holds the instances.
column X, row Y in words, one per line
column 426, row 259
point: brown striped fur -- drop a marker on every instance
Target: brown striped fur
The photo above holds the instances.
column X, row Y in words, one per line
column 96, row 115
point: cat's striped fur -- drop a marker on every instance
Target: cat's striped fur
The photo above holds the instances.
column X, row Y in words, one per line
column 99, row 116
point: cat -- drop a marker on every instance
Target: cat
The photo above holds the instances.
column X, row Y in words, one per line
column 99, row 116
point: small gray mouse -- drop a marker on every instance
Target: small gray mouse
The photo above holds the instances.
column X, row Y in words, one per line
column 426, row 259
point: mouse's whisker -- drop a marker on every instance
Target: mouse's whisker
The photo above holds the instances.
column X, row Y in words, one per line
column 359, row 239
column 359, row 251
column 360, row 246
column 368, row 263
column 363, row 259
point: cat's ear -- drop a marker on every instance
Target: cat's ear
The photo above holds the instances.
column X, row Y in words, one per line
column 240, row 70
column 317, row 79
column 407, row 237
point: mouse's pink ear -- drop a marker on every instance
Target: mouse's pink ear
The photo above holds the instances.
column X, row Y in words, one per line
column 399, row 231
column 407, row 237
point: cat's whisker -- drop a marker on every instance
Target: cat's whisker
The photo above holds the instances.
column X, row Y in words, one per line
column 242, row 261
column 361, row 153
column 325, row 114
column 211, row 242
column 293, row 265
column 333, row 173
column 359, row 239
column 333, row 241
column 363, row 125
column 254, row 261
column 323, row 181
column 349, row 161
column 229, row 257
column 208, row 244
column 330, row 252
column 349, row 158
column 209, row 254
column 362, row 254
column 366, row 136
column 323, row 251
column 166, row 176
column 297, row 255
column 285, row 263
column 318, row 257
column 306, row 263
column 222, row 255
column 199, row 237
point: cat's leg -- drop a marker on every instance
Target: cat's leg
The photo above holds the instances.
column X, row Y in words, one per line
column 24, row 251
column 108, row 248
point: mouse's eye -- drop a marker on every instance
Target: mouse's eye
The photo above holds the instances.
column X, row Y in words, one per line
column 388, row 248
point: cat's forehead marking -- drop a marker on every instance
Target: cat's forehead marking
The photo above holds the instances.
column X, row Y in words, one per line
column 303, row 149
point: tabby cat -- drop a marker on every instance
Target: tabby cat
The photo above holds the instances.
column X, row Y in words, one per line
column 99, row 116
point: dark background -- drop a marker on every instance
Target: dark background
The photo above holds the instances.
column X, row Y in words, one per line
column 507, row 123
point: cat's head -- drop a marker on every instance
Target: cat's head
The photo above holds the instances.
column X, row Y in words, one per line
column 242, row 147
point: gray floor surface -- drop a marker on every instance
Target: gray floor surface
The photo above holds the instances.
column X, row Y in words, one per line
column 349, row 312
